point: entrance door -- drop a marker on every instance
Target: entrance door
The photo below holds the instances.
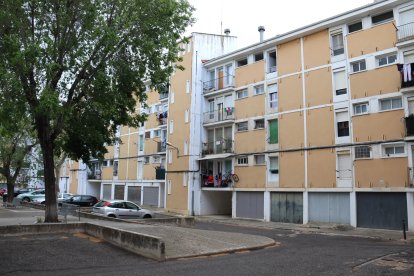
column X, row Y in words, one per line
column 344, row 173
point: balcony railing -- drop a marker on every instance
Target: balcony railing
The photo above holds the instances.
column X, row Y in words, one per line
column 162, row 118
column 163, row 95
column 409, row 125
column 218, row 84
column 161, row 146
column 405, row 32
column 217, row 147
column 160, row 173
column 94, row 175
column 219, row 115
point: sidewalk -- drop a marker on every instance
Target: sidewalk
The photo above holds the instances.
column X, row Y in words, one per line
column 179, row 242
column 323, row 229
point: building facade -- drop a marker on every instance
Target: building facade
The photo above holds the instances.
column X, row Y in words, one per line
column 309, row 126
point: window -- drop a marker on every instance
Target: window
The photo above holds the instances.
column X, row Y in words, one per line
column 271, row 62
column 258, row 57
column 362, row 152
column 358, row 66
column 185, row 147
column 243, row 126
column 115, row 172
column 391, row 150
column 242, row 94
column 389, row 104
column 169, row 186
column 187, row 86
column 147, row 134
column 259, row 89
column 171, row 126
column 273, row 132
column 146, row 160
column 186, row 116
column 157, row 133
column 342, row 123
column 172, row 97
column 273, row 168
column 259, row 159
column 343, row 129
column 355, row 27
column 258, row 124
column 273, row 100
column 340, row 83
column 361, row 108
column 242, row 160
column 169, row 156
column 388, row 59
column 383, row 17
column 242, row 62
column 189, row 47
column 337, row 44
column 141, row 143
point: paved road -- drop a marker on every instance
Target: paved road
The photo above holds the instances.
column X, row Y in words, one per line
column 297, row 254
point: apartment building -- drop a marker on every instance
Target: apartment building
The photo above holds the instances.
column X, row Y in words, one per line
column 313, row 125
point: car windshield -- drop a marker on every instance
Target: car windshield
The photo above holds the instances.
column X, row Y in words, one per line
column 100, row 203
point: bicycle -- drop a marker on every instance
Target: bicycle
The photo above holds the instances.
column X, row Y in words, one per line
column 229, row 178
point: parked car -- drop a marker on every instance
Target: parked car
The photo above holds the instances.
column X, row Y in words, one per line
column 81, row 200
column 18, row 192
column 120, row 209
column 27, row 197
column 61, row 197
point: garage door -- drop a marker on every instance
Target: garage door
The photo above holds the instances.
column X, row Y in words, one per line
column 119, row 192
column 151, row 196
column 106, row 191
column 381, row 210
column 249, row 205
column 329, row 207
column 134, row 194
column 286, row 207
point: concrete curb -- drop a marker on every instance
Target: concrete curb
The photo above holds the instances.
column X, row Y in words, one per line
column 141, row 244
column 230, row 251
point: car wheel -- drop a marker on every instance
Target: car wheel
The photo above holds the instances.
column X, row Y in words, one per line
column 147, row 216
column 26, row 199
column 111, row 216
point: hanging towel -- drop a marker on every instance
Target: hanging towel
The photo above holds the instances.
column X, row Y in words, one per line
column 407, row 72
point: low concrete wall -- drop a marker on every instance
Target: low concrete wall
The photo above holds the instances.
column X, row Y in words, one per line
column 145, row 245
column 180, row 221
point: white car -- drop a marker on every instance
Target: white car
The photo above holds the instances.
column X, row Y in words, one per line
column 30, row 196
column 61, row 198
column 120, row 209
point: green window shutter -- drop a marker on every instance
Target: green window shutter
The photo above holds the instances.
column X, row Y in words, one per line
column 274, row 135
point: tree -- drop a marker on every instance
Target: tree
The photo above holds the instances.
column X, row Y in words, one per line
column 81, row 65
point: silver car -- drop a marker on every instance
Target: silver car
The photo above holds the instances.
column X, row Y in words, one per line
column 61, row 197
column 120, row 209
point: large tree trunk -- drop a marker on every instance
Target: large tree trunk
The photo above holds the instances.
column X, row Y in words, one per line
column 10, row 189
column 47, row 144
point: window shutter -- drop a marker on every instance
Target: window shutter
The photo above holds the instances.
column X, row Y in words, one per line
column 273, row 132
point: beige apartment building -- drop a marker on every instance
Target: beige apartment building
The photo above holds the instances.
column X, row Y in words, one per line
column 312, row 125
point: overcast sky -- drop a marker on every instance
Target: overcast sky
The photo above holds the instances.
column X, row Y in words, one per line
column 243, row 17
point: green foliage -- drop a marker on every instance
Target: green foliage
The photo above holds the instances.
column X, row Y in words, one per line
column 79, row 66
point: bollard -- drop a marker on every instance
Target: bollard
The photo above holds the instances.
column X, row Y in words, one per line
column 404, row 233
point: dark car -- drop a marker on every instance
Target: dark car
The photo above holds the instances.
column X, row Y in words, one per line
column 82, row 200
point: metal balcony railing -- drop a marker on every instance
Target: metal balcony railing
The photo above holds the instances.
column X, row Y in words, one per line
column 94, row 175
column 163, row 95
column 219, row 115
column 218, row 146
column 161, row 146
column 405, row 32
column 218, row 84
column 162, row 118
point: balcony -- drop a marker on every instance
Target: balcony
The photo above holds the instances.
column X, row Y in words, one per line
column 217, row 147
column 94, row 175
column 159, row 173
column 405, row 32
column 163, row 96
column 161, row 146
column 220, row 115
column 162, row 118
column 220, row 84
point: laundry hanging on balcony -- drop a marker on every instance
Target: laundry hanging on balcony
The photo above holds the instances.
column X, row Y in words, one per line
column 407, row 74
column 229, row 110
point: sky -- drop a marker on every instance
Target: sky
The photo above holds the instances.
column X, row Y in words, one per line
column 243, row 17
